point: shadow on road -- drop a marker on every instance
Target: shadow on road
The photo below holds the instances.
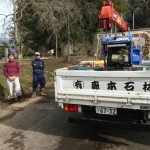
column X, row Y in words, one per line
column 44, row 116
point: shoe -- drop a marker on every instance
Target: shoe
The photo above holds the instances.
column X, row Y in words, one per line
column 20, row 98
column 42, row 92
column 12, row 100
column 33, row 93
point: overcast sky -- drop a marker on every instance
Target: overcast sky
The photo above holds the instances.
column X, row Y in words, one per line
column 6, row 8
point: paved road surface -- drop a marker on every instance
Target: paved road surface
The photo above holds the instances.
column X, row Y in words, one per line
column 43, row 126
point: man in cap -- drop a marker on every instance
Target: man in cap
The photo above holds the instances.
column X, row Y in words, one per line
column 38, row 74
column 11, row 71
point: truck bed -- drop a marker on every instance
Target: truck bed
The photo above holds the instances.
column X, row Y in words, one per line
column 118, row 89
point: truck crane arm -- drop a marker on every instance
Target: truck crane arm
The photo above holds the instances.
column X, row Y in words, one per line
column 109, row 16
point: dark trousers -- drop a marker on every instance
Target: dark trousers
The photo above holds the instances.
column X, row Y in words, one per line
column 38, row 78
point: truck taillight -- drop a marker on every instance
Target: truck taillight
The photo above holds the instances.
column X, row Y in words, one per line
column 71, row 107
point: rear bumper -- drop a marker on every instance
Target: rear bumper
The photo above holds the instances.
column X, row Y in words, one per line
column 105, row 101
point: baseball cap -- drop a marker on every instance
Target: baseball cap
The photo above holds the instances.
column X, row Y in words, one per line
column 37, row 54
column 11, row 54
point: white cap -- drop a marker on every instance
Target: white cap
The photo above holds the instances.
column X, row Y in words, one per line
column 37, row 53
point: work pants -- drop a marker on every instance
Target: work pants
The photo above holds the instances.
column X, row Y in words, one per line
column 14, row 87
column 38, row 79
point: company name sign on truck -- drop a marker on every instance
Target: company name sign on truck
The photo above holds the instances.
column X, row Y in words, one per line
column 112, row 85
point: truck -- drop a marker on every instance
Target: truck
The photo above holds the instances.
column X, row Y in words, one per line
column 121, row 87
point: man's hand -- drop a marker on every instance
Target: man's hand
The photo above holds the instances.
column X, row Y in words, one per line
column 12, row 78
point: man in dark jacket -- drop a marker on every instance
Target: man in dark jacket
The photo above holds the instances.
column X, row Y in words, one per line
column 38, row 74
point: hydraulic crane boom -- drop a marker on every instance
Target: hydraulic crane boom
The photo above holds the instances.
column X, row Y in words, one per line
column 109, row 16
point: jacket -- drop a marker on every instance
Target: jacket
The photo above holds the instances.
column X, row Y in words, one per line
column 38, row 66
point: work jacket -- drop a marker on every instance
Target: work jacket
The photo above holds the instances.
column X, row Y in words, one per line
column 38, row 66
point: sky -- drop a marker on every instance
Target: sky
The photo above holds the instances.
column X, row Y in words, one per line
column 6, row 8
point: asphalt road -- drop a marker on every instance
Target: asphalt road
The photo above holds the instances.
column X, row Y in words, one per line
column 43, row 126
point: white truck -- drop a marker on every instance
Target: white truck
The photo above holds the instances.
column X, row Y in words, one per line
column 122, row 86
column 104, row 92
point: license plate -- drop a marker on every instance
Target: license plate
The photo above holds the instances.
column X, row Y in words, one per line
column 106, row 110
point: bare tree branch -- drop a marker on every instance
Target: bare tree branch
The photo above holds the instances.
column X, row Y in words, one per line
column 6, row 16
column 23, row 10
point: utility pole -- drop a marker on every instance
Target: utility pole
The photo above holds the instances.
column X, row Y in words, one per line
column 69, row 44
column 133, row 20
column 56, row 45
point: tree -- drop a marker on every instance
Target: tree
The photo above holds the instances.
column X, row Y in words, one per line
column 15, row 17
column 73, row 21
column 19, row 7
column 141, row 13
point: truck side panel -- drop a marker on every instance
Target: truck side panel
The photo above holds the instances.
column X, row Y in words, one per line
column 119, row 89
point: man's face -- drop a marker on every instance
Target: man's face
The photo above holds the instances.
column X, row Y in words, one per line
column 37, row 56
column 11, row 57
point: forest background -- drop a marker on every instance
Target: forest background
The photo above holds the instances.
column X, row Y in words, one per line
column 71, row 23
